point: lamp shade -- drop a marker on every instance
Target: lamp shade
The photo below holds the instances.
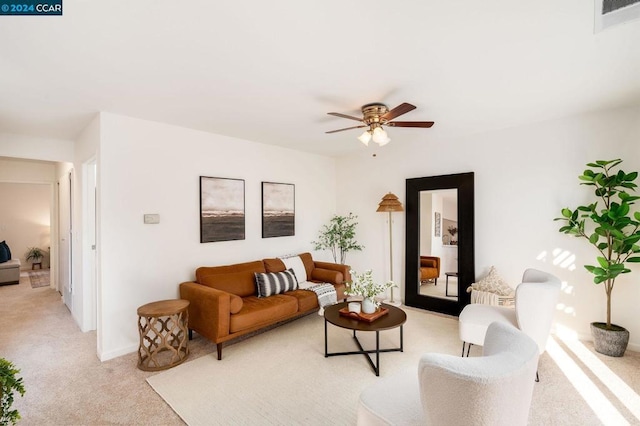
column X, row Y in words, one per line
column 390, row 203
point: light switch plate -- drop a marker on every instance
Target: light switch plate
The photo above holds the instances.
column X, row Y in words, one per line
column 151, row 218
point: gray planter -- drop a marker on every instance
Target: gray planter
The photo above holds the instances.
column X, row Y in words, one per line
column 609, row 342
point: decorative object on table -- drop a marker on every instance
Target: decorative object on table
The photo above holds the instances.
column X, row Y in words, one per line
column 354, row 307
column 390, row 204
column 453, row 230
column 363, row 285
column 9, row 385
column 361, row 316
column 222, row 215
column 278, row 209
column 437, row 222
column 613, row 230
column 339, row 236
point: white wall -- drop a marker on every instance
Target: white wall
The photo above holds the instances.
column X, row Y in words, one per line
column 523, row 177
column 148, row 167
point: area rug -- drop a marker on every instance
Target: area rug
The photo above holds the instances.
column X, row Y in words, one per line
column 281, row 377
column 39, row 278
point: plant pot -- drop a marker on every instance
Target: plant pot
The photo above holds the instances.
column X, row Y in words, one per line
column 368, row 306
column 611, row 342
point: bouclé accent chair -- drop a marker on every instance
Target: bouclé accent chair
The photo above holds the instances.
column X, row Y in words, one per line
column 535, row 305
column 494, row 389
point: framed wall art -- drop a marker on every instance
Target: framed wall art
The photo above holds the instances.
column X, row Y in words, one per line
column 222, row 216
column 278, row 209
column 436, row 232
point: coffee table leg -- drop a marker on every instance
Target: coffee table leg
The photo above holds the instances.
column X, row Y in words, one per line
column 325, row 339
column 377, row 353
column 401, row 340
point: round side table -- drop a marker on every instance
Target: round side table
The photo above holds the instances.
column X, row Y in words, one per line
column 163, row 334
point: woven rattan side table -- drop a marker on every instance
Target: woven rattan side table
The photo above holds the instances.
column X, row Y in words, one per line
column 163, row 334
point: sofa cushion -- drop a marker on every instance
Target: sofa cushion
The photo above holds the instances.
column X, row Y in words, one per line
column 4, row 243
column 309, row 264
column 262, row 311
column 4, row 255
column 307, row 299
column 270, row 283
column 493, row 283
column 236, row 279
column 274, row 265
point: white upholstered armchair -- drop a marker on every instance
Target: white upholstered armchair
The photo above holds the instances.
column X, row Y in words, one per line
column 494, row 389
column 535, row 305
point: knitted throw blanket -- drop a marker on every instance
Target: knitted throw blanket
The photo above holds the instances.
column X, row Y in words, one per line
column 325, row 292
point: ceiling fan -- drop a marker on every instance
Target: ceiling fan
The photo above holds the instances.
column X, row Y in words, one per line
column 375, row 116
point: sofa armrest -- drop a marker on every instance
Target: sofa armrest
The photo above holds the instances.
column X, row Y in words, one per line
column 209, row 310
column 342, row 269
column 326, row 276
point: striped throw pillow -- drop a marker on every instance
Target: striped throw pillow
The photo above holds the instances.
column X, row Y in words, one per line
column 271, row 283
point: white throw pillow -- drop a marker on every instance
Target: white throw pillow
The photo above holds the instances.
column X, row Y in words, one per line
column 296, row 264
column 493, row 283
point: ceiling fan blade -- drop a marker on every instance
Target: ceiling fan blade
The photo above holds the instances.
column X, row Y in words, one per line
column 348, row 128
column 398, row 111
column 410, row 124
column 337, row 114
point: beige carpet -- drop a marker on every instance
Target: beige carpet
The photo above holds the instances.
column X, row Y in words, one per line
column 282, row 377
column 67, row 384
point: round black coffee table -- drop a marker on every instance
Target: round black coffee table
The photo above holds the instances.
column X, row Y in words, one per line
column 395, row 318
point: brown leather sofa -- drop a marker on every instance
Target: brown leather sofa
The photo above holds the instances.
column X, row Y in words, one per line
column 429, row 269
column 224, row 304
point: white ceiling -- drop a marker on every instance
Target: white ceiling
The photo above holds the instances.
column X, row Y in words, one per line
column 270, row 71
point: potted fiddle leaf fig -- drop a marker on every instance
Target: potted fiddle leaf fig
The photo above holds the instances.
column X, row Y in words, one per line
column 609, row 225
column 339, row 236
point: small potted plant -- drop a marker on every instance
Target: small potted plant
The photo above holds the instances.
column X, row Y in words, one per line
column 614, row 231
column 35, row 254
column 363, row 285
column 339, row 236
column 9, row 384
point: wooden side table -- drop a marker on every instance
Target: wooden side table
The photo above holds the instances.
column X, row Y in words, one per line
column 163, row 328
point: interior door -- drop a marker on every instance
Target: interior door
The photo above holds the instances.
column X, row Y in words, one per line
column 65, row 218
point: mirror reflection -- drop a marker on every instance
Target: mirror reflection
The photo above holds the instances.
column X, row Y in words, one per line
column 438, row 244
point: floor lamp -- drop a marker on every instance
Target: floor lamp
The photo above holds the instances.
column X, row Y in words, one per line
column 390, row 204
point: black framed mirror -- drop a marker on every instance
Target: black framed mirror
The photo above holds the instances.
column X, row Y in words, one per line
column 447, row 238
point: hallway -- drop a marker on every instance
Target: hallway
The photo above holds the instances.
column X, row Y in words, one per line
column 65, row 382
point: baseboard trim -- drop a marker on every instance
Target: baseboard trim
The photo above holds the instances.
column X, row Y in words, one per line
column 106, row 356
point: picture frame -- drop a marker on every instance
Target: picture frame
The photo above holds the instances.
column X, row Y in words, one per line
column 222, row 209
column 278, row 209
column 437, row 225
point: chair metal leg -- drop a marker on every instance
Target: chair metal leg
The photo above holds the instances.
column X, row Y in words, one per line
column 468, row 348
column 537, row 377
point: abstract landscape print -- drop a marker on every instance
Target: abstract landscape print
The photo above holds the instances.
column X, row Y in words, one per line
column 278, row 209
column 222, row 215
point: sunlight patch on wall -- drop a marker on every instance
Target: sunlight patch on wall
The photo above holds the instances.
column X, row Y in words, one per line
column 597, row 401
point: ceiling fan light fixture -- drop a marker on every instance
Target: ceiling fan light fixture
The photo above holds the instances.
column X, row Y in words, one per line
column 365, row 138
column 380, row 136
column 384, row 141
